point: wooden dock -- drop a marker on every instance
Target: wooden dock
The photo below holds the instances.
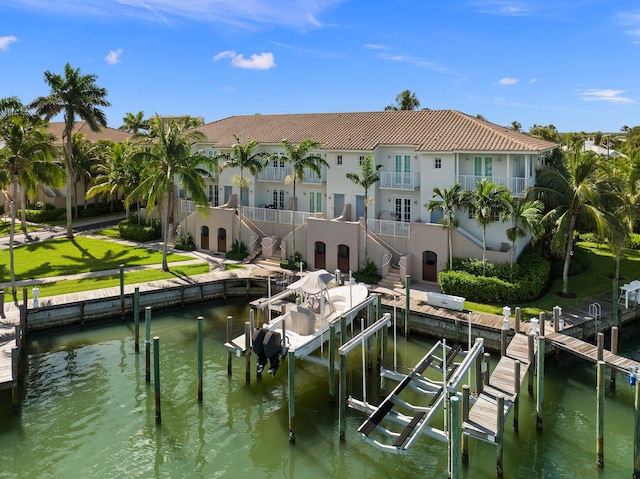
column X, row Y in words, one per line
column 484, row 414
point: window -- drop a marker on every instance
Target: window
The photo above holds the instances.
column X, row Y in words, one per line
column 483, row 167
column 361, row 160
column 278, row 199
column 471, row 213
column 213, row 195
column 437, row 163
column 402, row 209
column 339, row 160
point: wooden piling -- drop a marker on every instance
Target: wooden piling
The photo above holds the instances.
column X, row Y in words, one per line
column 156, row 376
column 479, row 375
column 541, row 321
column 614, row 350
column 466, row 404
column 332, row 362
column 15, row 390
column 147, row 343
column 229, row 338
column 503, row 342
column 600, row 414
column 486, row 368
column 455, row 438
column 407, row 309
column 247, row 350
column 136, row 320
column 342, row 386
column 291, row 359
column 540, row 383
column 532, row 361
column 500, row 434
column 200, row 356
column 556, row 319
column 122, row 290
column 516, row 389
column 600, row 343
column 636, row 441
column 518, row 318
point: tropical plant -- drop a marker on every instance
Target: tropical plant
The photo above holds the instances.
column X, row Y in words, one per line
column 486, row 203
column 134, row 123
column 525, row 216
column 405, row 100
column 86, row 156
column 167, row 154
column 299, row 158
column 448, row 200
column 369, row 176
column 74, row 95
column 242, row 156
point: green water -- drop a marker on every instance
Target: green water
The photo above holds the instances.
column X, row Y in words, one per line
column 89, row 413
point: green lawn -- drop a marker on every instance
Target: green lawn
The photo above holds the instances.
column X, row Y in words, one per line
column 79, row 255
column 5, row 227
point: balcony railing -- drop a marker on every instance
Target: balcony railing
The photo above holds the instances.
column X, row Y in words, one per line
column 274, row 173
column 275, row 216
column 311, row 177
column 399, row 181
column 397, row 229
column 516, row 185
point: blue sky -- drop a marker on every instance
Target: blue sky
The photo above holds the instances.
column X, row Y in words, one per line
column 562, row 62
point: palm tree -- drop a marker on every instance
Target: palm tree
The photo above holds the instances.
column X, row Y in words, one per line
column 369, row 175
column 242, row 156
column 299, row 158
column 448, row 201
column 134, row 123
column 86, row 156
column 525, row 216
column 574, row 200
column 405, row 100
column 74, row 95
column 168, row 154
column 26, row 159
column 487, row 202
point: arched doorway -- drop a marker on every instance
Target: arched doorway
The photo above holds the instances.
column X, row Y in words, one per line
column 429, row 266
column 222, row 240
column 320, row 259
column 343, row 258
column 204, row 238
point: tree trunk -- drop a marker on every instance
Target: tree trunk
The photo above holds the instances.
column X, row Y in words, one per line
column 293, row 217
column 484, row 250
column 12, row 231
column 366, row 227
column 567, row 256
column 75, row 200
column 70, row 178
column 165, row 233
column 23, row 212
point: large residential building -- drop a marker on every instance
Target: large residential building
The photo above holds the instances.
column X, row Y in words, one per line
column 418, row 151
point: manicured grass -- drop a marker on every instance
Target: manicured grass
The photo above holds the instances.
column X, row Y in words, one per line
column 113, row 232
column 55, row 288
column 5, row 227
column 79, row 255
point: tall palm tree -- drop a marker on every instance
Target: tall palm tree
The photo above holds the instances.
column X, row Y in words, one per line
column 487, row 203
column 525, row 216
column 86, row 156
column 447, row 201
column 26, row 159
column 405, row 100
column 299, row 158
column 242, row 156
column 369, row 176
column 573, row 200
column 134, row 123
column 167, row 156
column 74, row 95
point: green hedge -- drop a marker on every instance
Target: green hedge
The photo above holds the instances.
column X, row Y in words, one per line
column 131, row 230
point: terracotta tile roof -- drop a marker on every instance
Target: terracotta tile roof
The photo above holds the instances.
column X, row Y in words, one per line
column 105, row 133
column 428, row 130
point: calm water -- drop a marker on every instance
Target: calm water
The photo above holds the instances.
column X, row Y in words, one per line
column 89, row 413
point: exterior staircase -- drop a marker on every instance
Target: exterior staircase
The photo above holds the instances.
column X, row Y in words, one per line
column 393, row 279
column 272, row 262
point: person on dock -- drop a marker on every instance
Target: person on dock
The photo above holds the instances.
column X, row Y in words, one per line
column 267, row 345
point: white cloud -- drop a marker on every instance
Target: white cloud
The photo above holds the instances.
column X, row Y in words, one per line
column 257, row 61
column 612, row 96
column 6, row 41
column 507, row 8
column 507, row 81
column 113, row 57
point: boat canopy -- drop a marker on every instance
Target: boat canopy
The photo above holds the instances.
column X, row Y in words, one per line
column 313, row 283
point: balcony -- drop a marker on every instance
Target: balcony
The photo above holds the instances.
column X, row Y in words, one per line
column 274, row 173
column 311, row 177
column 515, row 184
column 399, row 181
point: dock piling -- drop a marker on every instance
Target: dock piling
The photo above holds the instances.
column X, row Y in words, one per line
column 200, row 356
column 636, row 441
column 485, row 368
column 455, row 438
column 291, row 360
column 466, row 401
column 614, row 350
column 122, row 290
column 600, row 342
column 600, row 414
column 147, row 343
column 156, row 376
column 540, row 383
column 229, row 338
column 407, row 309
column 136, row 320
column 532, row 359
column 247, row 349
column 516, row 388
column 332, row 362
column 500, row 435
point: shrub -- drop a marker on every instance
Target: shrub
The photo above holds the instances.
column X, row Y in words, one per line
column 293, row 262
column 46, row 215
column 634, row 241
column 368, row 273
column 185, row 243
column 238, row 251
column 131, row 230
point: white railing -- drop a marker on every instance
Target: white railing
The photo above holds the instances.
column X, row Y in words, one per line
column 397, row 229
column 516, row 185
column 274, row 173
column 311, row 177
column 187, row 206
column 283, row 217
column 402, row 181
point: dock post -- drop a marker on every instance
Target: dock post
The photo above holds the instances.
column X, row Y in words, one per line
column 500, row 434
column 291, row 359
column 636, row 441
column 503, row 342
column 600, row 343
column 156, row 376
column 556, row 319
column 541, row 319
column 136, row 320
column 531, row 354
column 600, row 414
column 370, row 312
column 479, row 373
column 342, row 386
column 200, row 357
column 540, row 383
column 122, row 290
column 147, row 344
column 455, row 436
column 229, row 338
column 332, row 362
column 614, row 350
column 407, row 310
column 485, row 368
column 466, row 395
column 383, row 358
column 516, row 388
column 616, row 311
column 247, row 349
column 518, row 318
column 15, row 391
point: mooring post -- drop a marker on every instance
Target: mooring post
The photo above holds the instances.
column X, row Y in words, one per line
column 291, row 359
column 25, row 303
column 455, row 436
column 407, row 310
column 600, row 414
column 332, row 362
column 247, row 350
column 229, row 338
column 342, row 386
column 503, row 341
column 541, row 320
column 636, row 441
column 614, row 350
column 147, row 343
column 518, row 317
column 500, row 434
column 556, row 319
column 122, row 290
column 156, row 376
column 516, row 388
column 200, row 356
column 540, row 383
column 600, row 344
column 486, row 368
column 466, row 398
column 479, row 375
column 136, row 320
column 531, row 353
column 15, row 371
